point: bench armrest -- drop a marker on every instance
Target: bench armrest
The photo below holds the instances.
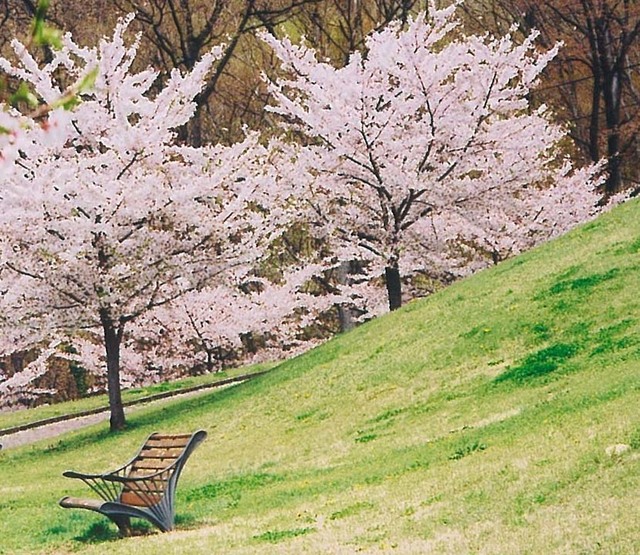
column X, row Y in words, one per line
column 82, row 476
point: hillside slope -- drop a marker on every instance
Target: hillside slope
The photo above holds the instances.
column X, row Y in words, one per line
column 478, row 420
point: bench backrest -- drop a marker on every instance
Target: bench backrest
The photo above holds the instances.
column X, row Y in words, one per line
column 159, row 459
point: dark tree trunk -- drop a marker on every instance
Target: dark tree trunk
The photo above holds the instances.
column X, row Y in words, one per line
column 614, row 179
column 612, row 93
column 112, row 340
column 394, row 286
column 345, row 317
column 594, row 124
column 345, row 312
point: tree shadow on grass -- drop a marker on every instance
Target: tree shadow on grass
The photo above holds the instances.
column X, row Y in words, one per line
column 102, row 532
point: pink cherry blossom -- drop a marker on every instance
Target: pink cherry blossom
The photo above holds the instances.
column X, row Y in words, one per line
column 424, row 154
column 111, row 218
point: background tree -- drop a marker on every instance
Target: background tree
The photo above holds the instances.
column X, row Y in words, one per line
column 337, row 28
column 177, row 34
column 425, row 143
column 593, row 80
column 117, row 220
column 16, row 17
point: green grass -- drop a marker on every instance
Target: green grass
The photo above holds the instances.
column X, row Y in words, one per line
column 474, row 421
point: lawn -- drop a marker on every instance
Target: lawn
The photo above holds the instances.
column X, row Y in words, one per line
column 474, row 421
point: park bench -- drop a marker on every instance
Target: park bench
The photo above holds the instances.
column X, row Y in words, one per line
column 145, row 487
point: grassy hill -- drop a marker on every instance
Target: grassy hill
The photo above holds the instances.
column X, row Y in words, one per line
column 475, row 421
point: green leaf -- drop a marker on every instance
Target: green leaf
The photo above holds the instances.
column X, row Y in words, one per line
column 41, row 33
column 41, row 9
column 70, row 103
column 88, row 81
column 70, row 100
column 49, row 36
column 24, row 94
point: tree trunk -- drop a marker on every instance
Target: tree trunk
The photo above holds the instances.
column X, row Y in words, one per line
column 594, row 124
column 345, row 318
column 345, row 312
column 112, row 340
column 613, row 75
column 394, row 286
column 613, row 184
column 612, row 103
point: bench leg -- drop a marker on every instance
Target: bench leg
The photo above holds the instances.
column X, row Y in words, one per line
column 123, row 523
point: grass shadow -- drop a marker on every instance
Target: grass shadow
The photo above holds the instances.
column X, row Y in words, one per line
column 103, row 532
column 99, row 532
column 539, row 364
column 276, row 536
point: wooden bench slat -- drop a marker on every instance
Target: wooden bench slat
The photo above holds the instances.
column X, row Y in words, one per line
column 148, row 488
column 170, row 436
column 146, row 473
column 168, row 443
column 139, row 499
column 154, row 464
column 161, row 453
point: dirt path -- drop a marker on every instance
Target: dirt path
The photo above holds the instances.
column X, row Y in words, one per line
column 48, row 429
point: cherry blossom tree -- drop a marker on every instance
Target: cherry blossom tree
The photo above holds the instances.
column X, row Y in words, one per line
column 112, row 218
column 424, row 150
column 205, row 327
